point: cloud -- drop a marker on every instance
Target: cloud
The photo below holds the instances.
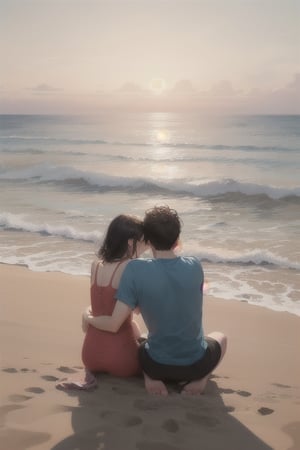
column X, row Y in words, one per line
column 294, row 85
column 286, row 99
column 223, row 88
column 221, row 97
column 44, row 88
column 184, row 95
column 184, row 87
column 131, row 88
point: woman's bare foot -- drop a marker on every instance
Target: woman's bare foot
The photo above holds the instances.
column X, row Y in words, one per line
column 195, row 387
column 155, row 387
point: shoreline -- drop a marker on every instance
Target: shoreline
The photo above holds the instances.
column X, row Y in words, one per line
column 272, row 278
column 251, row 402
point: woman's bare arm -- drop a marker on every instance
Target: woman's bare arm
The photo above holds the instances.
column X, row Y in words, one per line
column 108, row 323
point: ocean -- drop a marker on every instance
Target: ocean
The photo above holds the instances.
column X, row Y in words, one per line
column 234, row 180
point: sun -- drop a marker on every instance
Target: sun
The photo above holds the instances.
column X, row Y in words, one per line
column 157, row 85
column 162, row 136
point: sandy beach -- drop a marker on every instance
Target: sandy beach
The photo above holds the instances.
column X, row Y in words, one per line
column 252, row 401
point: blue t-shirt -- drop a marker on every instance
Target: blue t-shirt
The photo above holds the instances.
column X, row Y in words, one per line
column 169, row 295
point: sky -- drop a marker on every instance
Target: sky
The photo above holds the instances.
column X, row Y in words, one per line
column 85, row 56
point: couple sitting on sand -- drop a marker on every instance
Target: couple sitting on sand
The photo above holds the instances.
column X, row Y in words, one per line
column 167, row 290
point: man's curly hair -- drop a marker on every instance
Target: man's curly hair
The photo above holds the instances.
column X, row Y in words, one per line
column 162, row 227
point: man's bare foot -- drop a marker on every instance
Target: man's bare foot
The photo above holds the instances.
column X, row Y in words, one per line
column 155, row 387
column 195, row 387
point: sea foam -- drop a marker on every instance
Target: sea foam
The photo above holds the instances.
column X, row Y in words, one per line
column 259, row 257
column 15, row 222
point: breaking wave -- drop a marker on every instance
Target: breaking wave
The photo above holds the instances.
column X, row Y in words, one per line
column 17, row 222
column 88, row 180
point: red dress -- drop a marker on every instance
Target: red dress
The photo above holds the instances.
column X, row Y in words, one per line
column 103, row 351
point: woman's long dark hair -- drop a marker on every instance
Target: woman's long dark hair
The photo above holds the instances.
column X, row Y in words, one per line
column 115, row 244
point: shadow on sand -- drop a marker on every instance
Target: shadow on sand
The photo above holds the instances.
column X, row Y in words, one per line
column 120, row 415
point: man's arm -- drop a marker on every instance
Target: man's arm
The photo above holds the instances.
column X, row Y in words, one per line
column 109, row 323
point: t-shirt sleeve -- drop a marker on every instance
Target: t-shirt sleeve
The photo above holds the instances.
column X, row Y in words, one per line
column 127, row 292
column 200, row 268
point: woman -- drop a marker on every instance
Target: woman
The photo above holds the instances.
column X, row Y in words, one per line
column 102, row 351
column 113, row 353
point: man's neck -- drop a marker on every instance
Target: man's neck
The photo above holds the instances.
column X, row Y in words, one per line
column 163, row 254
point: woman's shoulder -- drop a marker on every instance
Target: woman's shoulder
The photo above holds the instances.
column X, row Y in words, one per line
column 96, row 262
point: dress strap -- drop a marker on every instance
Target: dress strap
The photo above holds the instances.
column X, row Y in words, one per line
column 115, row 269
column 96, row 272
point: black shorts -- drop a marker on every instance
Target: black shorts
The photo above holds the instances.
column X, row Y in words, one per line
column 195, row 371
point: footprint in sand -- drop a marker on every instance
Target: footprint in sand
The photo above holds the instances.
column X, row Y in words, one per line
column 18, row 398
column 14, row 370
column 229, row 408
column 227, row 391
column 10, row 370
column 218, row 376
column 132, row 421
column 127, row 421
column 264, row 411
column 244, row 393
column 170, row 425
column 49, row 378
column 65, row 369
column 35, row 390
column 281, row 385
column 232, row 391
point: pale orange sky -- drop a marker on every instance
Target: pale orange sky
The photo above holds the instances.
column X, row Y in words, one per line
column 152, row 55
